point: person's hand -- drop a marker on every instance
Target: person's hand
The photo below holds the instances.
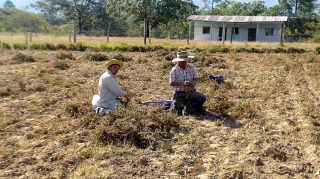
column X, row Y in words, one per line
column 127, row 98
column 188, row 84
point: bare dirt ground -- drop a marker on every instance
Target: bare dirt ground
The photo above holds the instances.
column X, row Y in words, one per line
column 263, row 122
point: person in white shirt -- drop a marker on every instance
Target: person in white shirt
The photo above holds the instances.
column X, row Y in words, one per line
column 183, row 81
column 109, row 90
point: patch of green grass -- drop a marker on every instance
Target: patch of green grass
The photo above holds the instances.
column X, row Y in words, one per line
column 124, row 47
column 20, row 46
column 5, row 46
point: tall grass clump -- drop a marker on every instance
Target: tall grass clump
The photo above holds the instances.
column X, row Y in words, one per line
column 278, row 50
column 76, row 109
column 62, row 46
column 65, row 56
column 5, row 45
column 22, row 58
column 77, row 47
column 121, row 57
column 48, row 46
column 97, row 57
column 220, row 104
column 62, row 65
column 105, row 48
column 36, row 46
column 295, row 50
column 20, row 46
column 214, row 49
column 139, row 126
column 318, row 50
column 123, row 47
column 249, row 50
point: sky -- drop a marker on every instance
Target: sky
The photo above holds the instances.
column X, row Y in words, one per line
column 268, row 2
column 23, row 4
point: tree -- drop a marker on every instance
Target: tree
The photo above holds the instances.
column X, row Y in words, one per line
column 298, row 8
column 302, row 22
column 171, row 17
column 117, row 12
column 82, row 12
column 249, row 9
column 8, row 5
column 145, row 10
column 233, row 8
column 50, row 12
column 15, row 20
column 306, row 7
column 210, row 3
column 282, row 9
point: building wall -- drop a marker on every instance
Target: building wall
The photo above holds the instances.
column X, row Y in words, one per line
column 243, row 31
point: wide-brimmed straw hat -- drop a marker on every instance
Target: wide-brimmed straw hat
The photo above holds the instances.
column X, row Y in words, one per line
column 182, row 56
column 114, row 62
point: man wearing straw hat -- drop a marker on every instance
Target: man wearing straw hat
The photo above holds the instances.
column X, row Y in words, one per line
column 183, row 81
column 109, row 90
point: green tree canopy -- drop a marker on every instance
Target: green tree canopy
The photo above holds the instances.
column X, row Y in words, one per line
column 15, row 20
column 234, row 8
column 82, row 12
column 8, row 4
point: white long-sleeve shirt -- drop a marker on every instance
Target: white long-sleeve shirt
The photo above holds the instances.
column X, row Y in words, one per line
column 109, row 89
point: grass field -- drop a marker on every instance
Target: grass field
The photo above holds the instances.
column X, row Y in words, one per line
column 263, row 122
column 41, row 38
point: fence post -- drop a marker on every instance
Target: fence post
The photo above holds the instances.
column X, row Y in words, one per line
column 145, row 31
column 149, row 33
column 223, row 33
column 26, row 32
column 108, row 33
column 74, row 32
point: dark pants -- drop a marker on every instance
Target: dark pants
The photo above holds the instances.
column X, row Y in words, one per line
column 193, row 103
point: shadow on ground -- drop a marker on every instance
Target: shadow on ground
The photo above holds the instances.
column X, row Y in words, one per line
column 224, row 119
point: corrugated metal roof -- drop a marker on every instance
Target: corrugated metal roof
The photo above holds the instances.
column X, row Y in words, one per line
column 238, row 18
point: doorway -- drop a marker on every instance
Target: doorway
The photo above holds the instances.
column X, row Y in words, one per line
column 252, row 34
column 220, row 33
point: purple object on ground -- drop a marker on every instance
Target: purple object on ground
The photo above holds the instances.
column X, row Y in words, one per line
column 166, row 103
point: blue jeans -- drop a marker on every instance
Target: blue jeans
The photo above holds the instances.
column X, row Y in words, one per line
column 193, row 103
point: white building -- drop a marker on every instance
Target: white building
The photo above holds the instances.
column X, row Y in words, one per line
column 238, row 28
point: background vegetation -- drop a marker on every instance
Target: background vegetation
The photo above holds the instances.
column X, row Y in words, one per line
column 167, row 18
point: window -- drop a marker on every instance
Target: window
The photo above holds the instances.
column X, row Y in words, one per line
column 206, row 30
column 269, row 31
column 235, row 30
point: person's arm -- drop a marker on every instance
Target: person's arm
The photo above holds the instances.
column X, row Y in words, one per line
column 172, row 80
column 181, row 84
column 177, row 84
column 113, row 86
column 194, row 81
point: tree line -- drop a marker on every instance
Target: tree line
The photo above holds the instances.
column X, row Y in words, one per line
column 157, row 18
